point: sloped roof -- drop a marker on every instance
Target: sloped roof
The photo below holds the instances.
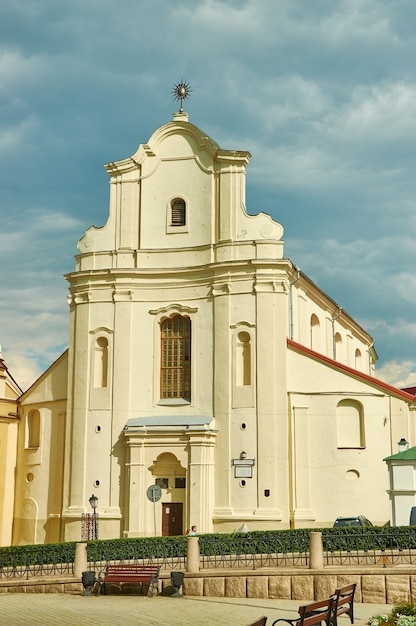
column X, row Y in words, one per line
column 375, row 382
column 9, row 378
column 405, row 455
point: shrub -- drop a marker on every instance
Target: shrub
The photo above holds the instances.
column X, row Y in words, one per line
column 401, row 615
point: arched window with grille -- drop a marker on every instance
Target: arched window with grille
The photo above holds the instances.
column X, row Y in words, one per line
column 178, row 212
column 175, row 374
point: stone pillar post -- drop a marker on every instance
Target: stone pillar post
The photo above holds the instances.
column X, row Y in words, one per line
column 81, row 561
column 192, row 555
column 316, row 551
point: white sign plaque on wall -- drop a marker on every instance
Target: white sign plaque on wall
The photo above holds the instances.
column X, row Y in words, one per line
column 243, row 468
column 243, row 471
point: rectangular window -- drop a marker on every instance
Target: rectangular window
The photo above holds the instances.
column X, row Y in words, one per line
column 175, row 375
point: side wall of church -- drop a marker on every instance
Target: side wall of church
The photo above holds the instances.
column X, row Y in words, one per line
column 338, row 440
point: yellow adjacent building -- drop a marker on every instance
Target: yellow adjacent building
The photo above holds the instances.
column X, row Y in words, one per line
column 202, row 361
column 9, row 392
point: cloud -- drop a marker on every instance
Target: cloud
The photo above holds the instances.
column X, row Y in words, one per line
column 378, row 113
column 322, row 94
column 399, row 374
column 33, row 309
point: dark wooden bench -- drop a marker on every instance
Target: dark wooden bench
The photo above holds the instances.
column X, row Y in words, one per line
column 312, row 614
column 344, row 603
column 341, row 602
column 127, row 573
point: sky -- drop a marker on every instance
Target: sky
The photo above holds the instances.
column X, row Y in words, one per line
column 322, row 93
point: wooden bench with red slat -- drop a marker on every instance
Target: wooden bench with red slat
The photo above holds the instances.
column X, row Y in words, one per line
column 127, row 573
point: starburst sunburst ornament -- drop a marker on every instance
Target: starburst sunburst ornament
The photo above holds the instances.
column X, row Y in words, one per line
column 181, row 92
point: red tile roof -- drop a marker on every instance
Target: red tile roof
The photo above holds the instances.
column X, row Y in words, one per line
column 399, row 393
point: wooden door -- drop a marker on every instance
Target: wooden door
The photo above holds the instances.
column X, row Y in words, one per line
column 172, row 518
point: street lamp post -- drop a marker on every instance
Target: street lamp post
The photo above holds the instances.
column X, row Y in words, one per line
column 93, row 500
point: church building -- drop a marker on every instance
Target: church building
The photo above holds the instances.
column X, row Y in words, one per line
column 203, row 362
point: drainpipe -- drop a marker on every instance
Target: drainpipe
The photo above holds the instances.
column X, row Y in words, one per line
column 334, row 347
column 290, row 467
column 291, row 303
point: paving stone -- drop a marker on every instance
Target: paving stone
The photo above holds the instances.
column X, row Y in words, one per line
column 342, row 581
column 373, row 588
column 193, row 586
column 55, row 589
column 257, row 587
column 45, row 609
column 214, row 587
column 17, row 589
column 397, row 589
column 280, row 587
column 302, row 588
column 413, row 589
column 324, row 586
column 235, row 587
column 35, row 589
column 75, row 588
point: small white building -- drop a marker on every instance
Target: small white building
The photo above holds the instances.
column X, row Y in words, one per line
column 402, row 483
column 202, row 360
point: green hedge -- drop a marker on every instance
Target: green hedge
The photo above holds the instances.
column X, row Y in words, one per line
column 257, row 542
column 140, row 548
column 39, row 554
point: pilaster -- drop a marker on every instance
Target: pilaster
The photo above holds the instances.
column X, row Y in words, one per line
column 272, row 420
column 222, row 399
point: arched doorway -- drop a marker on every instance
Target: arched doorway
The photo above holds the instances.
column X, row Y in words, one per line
column 171, row 477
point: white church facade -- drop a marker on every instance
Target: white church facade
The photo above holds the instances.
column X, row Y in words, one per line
column 202, row 360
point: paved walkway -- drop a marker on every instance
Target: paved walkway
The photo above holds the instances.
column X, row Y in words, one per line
column 45, row 609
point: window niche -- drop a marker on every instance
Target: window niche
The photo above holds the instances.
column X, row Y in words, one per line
column 243, row 359
column 243, row 375
column 315, row 333
column 350, row 424
column 100, row 368
column 101, row 362
column 32, row 439
column 338, row 348
column 358, row 360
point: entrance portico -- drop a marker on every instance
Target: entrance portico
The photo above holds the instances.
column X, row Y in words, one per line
column 177, row 453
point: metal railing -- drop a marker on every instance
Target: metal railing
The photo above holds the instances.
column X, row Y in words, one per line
column 169, row 553
column 40, row 560
column 372, row 547
column 369, row 548
column 249, row 551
